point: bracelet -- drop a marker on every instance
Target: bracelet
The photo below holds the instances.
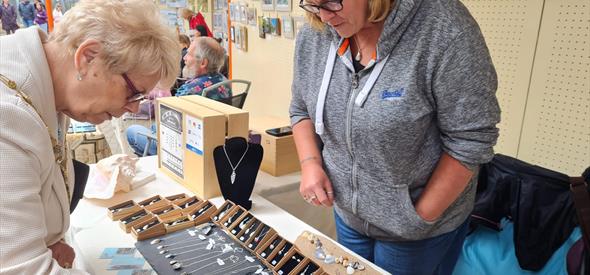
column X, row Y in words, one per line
column 308, row 158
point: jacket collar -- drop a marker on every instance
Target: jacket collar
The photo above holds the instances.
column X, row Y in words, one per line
column 394, row 27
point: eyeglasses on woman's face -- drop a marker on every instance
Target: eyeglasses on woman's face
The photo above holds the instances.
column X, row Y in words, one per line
column 330, row 5
column 136, row 94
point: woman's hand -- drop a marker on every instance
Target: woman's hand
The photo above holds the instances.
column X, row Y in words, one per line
column 63, row 254
column 315, row 186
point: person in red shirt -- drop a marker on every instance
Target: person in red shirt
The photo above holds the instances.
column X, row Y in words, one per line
column 194, row 20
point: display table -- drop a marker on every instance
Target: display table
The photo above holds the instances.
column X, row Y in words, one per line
column 92, row 231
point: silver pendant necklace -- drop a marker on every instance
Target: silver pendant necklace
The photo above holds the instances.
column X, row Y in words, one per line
column 233, row 168
column 359, row 55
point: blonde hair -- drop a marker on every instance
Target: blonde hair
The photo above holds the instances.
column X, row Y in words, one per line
column 186, row 13
column 378, row 11
column 133, row 37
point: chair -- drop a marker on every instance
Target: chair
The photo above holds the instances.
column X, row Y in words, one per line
column 238, row 99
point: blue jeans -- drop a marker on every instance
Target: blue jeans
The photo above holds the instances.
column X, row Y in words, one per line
column 436, row 255
column 28, row 22
column 44, row 27
column 138, row 141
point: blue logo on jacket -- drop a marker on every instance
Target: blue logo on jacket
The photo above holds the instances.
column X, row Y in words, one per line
column 392, row 95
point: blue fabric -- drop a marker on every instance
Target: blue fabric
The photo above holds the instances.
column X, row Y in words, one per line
column 435, row 255
column 196, row 86
column 138, row 142
column 28, row 22
column 486, row 251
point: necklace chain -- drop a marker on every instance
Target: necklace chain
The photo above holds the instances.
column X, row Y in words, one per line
column 233, row 168
column 60, row 156
column 359, row 54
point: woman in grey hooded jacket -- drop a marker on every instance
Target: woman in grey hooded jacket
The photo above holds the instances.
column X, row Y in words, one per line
column 393, row 110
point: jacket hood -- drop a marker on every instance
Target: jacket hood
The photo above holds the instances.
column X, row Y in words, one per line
column 396, row 23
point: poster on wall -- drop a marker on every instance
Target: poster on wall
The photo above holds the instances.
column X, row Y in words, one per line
column 288, row 31
column 233, row 11
column 261, row 22
column 268, row 5
column 283, row 5
column 252, row 17
column 275, row 26
column 244, row 38
column 243, row 13
column 170, row 142
column 176, row 3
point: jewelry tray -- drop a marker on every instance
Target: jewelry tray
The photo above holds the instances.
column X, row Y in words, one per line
column 230, row 226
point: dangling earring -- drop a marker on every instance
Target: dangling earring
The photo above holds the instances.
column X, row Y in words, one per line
column 79, row 76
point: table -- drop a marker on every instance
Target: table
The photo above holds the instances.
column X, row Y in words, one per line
column 92, row 231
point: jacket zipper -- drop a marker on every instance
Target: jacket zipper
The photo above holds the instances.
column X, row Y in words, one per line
column 355, row 84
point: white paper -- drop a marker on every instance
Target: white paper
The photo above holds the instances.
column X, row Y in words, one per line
column 171, row 154
column 194, row 134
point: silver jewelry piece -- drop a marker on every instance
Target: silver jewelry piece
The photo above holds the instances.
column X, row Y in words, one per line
column 79, row 76
column 233, row 169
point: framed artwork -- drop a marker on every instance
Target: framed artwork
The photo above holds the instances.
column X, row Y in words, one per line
column 261, row 22
column 244, row 38
column 232, row 34
column 268, row 5
column 243, row 13
column 275, row 26
column 267, row 26
column 283, row 5
column 233, row 11
column 238, row 41
column 252, row 16
column 288, row 31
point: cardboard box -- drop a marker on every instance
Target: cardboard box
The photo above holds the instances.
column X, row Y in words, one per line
column 187, row 135
column 236, row 119
column 280, row 155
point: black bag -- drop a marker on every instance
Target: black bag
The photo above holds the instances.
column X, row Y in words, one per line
column 81, row 171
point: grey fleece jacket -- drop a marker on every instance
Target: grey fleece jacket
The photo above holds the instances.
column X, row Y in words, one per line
column 436, row 93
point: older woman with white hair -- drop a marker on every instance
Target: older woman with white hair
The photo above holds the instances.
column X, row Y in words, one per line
column 97, row 64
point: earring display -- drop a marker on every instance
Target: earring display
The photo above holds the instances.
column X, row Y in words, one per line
column 290, row 264
column 281, row 253
column 233, row 217
column 249, row 232
column 270, row 248
column 224, row 209
column 176, row 197
column 261, row 236
column 238, row 228
column 121, row 210
column 152, row 203
column 134, row 219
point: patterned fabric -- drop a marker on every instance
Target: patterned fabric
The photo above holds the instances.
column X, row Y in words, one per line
column 196, row 86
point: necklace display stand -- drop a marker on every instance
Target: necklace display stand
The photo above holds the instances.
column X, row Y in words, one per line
column 237, row 163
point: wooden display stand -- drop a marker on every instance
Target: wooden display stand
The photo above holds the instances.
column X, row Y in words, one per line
column 236, row 124
column 307, row 248
column 187, row 135
column 280, row 155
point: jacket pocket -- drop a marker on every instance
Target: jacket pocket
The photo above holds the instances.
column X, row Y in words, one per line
column 341, row 183
column 390, row 208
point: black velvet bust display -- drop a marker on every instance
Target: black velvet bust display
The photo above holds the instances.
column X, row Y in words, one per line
column 246, row 172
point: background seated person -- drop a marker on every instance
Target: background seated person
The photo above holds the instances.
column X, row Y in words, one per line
column 204, row 59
